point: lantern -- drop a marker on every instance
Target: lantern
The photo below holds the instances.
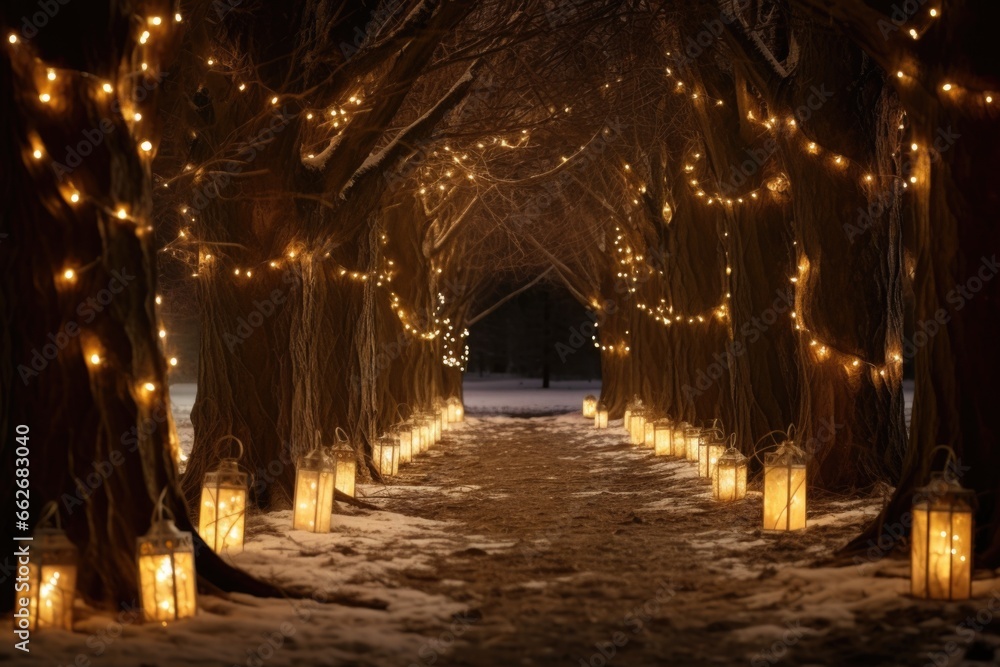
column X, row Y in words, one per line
column 456, row 413
column 785, row 488
column 315, row 478
column 711, row 445
column 941, row 540
column 649, row 433
column 601, row 416
column 637, row 427
column 222, row 513
column 51, row 576
column 678, row 441
column 441, row 408
column 730, row 479
column 692, row 438
column 632, row 405
column 385, row 455
column 426, row 427
column 663, row 431
column 435, row 417
column 347, row 464
column 416, row 441
column 589, row 406
column 165, row 558
column 404, row 436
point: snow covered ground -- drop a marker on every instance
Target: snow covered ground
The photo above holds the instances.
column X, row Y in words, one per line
column 525, row 396
column 542, row 541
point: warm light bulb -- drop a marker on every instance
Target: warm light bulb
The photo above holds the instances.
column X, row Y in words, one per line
column 243, row 86
column 51, row 75
column 122, row 214
column 149, row 386
column 12, row 39
column 106, row 87
column 156, row 20
column 146, row 146
column 45, row 97
column 95, row 359
column 37, row 154
column 177, row 17
column 75, row 197
column 163, row 333
column 173, row 361
column 946, row 87
column 69, row 274
column 899, row 73
column 274, row 100
column 933, row 12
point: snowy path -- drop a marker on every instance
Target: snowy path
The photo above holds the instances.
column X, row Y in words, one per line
column 613, row 546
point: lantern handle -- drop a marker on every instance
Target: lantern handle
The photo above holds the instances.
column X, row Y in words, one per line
column 341, row 432
column 777, row 445
column 161, row 508
column 50, row 511
column 399, row 412
column 951, row 459
column 229, row 437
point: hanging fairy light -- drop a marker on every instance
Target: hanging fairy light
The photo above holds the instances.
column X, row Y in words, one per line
column 222, row 512
column 315, row 481
column 589, row 406
column 785, row 487
column 347, row 464
column 52, row 571
column 730, row 480
column 941, row 538
column 165, row 562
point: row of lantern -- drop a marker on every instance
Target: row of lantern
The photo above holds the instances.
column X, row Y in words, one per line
column 165, row 554
column 941, row 544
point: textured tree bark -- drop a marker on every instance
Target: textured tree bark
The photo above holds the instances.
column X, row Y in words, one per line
column 97, row 408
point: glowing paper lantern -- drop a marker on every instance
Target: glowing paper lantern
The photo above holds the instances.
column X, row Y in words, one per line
column 441, row 408
column 785, row 488
column 692, row 438
column 315, row 480
column 385, row 454
column 347, row 463
column 426, row 426
column 711, row 445
column 222, row 513
column 589, row 406
column 404, row 435
column 601, row 416
column 416, row 439
column 941, row 540
column 637, row 427
column 165, row 558
column 663, row 432
column 650, row 433
column 456, row 412
column 51, row 581
column 678, row 441
column 730, row 480
column 438, row 427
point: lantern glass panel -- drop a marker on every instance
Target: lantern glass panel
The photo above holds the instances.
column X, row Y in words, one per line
column 167, row 581
column 601, row 416
column 222, row 513
column 456, row 412
column 784, row 489
column 663, row 432
column 692, row 437
column 941, row 541
column 405, row 437
column 347, row 467
column 730, row 479
column 589, row 406
column 315, row 480
column 51, row 580
column 637, row 427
